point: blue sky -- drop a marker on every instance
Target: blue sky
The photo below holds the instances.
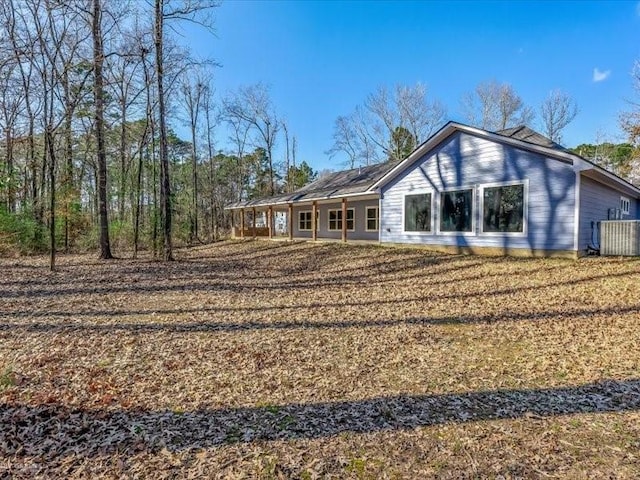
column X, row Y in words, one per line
column 321, row 59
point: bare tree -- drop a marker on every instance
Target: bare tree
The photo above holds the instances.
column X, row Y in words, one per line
column 20, row 44
column 557, row 111
column 147, row 135
column 252, row 106
column 165, row 183
column 55, row 36
column 124, row 78
column 193, row 89
column 367, row 135
column 98, row 93
column 345, row 140
column 287, row 156
column 188, row 10
column 210, row 120
column 11, row 106
column 494, row 106
column 239, row 136
column 420, row 116
column 630, row 119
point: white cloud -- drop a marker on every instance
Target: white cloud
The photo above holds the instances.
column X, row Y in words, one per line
column 599, row 76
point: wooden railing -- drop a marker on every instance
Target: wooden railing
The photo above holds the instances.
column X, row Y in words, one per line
column 248, row 232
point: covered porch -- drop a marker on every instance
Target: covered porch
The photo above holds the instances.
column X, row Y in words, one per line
column 349, row 218
column 340, row 206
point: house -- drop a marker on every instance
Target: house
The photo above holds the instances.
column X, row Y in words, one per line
column 463, row 190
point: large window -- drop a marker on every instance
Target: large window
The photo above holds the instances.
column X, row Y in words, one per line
column 503, row 209
column 417, row 213
column 335, row 220
column 456, row 211
column 372, row 219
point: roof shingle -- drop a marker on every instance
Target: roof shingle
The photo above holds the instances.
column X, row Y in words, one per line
column 335, row 184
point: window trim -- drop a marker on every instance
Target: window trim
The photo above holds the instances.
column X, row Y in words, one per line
column 300, row 212
column 366, row 218
column 431, row 220
column 474, row 210
column 625, row 201
column 525, row 208
column 329, row 210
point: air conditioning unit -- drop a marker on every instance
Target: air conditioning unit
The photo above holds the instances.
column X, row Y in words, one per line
column 620, row 237
column 614, row 214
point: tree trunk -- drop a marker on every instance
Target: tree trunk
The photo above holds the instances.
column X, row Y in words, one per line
column 272, row 183
column 48, row 140
column 98, row 92
column 68, row 177
column 287, row 158
column 123, row 157
column 154, row 183
column 136, row 226
column 212, row 212
column 11, row 201
column 165, row 184
column 144, row 145
column 194, row 163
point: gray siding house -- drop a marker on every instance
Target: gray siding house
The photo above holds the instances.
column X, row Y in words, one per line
column 464, row 190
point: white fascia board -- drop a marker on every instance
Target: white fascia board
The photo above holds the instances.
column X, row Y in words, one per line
column 333, row 198
column 308, row 201
column 580, row 165
column 257, row 207
column 597, row 173
column 452, row 127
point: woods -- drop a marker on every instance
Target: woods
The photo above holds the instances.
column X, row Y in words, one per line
column 90, row 107
column 81, row 101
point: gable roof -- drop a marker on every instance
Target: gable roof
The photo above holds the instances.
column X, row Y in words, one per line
column 368, row 180
column 528, row 135
column 520, row 137
column 356, row 181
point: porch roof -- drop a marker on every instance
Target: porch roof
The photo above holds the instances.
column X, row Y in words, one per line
column 346, row 183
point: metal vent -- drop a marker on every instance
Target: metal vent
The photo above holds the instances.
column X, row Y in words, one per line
column 620, row 237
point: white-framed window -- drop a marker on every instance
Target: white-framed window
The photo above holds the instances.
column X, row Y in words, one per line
column 418, row 212
column 373, row 219
column 625, row 205
column 335, row 220
column 304, row 220
column 457, row 210
column 503, row 209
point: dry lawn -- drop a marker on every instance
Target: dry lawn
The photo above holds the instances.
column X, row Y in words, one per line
column 277, row 360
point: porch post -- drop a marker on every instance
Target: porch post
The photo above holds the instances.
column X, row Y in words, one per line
column 253, row 223
column 270, row 220
column 314, row 215
column 233, row 223
column 290, row 219
column 242, row 220
column 344, row 219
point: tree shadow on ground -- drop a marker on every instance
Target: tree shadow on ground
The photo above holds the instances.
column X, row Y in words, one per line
column 54, row 430
column 253, row 286
column 225, row 326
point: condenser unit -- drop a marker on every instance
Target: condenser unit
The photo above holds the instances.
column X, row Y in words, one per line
column 620, row 237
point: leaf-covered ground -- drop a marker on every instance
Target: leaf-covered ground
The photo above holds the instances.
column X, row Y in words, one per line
column 277, row 360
